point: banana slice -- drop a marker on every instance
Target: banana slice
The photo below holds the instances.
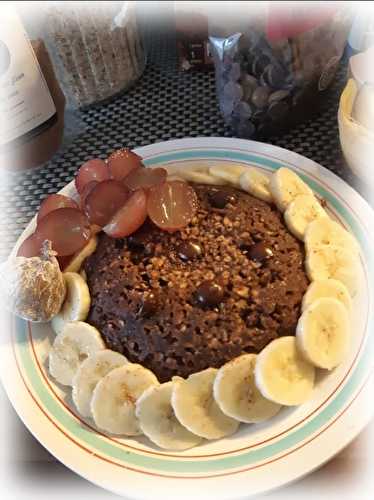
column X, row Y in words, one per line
column 303, row 210
column 256, row 183
column 201, row 178
column 325, row 231
column 93, row 369
column 175, row 177
column 230, row 173
column 322, row 333
column 195, row 408
column 76, row 263
column 282, row 374
column 158, row 422
column 237, row 395
column 285, row 185
column 114, row 398
column 327, row 288
column 77, row 302
column 333, row 262
column 83, row 273
column 70, row 348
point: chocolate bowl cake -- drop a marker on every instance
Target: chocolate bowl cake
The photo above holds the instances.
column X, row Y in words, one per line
column 177, row 303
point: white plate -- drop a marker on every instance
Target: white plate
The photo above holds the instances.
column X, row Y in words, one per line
column 259, row 457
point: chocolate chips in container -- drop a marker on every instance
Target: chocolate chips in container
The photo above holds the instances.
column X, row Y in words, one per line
column 264, row 86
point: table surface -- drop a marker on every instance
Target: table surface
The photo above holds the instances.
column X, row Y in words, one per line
column 164, row 104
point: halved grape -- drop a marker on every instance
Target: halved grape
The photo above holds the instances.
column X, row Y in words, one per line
column 121, row 162
column 92, row 170
column 53, row 202
column 145, row 178
column 30, row 247
column 130, row 217
column 172, row 205
column 67, row 228
column 105, row 199
column 86, row 191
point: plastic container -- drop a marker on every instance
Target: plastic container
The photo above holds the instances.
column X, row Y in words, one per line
column 275, row 71
column 356, row 118
column 96, row 48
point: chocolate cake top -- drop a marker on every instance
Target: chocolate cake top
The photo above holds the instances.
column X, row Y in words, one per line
column 177, row 303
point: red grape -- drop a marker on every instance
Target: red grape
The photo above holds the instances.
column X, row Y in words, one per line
column 67, row 228
column 86, row 191
column 30, row 247
column 130, row 217
column 172, row 205
column 145, row 178
column 54, row 202
column 105, row 199
column 121, row 162
column 92, row 170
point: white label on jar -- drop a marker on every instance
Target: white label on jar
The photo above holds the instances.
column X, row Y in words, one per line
column 25, row 100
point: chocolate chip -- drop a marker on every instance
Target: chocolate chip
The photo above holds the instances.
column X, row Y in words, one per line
column 258, row 117
column 259, row 64
column 209, row 294
column 162, row 282
column 219, row 199
column 259, row 252
column 273, row 75
column 278, row 110
column 119, row 243
column 135, row 243
column 278, row 95
column 148, row 305
column 245, row 247
column 260, row 97
column 136, row 258
column 188, row 250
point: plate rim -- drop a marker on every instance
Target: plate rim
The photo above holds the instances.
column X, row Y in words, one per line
column 229, row 143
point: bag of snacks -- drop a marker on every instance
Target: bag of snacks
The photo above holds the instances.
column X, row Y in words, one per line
column 275, row 72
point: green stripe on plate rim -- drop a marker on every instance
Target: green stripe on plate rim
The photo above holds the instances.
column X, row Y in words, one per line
column 165, row 464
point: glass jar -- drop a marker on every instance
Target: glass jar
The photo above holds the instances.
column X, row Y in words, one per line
column 96, row 48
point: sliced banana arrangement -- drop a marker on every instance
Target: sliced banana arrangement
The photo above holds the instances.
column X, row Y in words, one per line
column 126, row 399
